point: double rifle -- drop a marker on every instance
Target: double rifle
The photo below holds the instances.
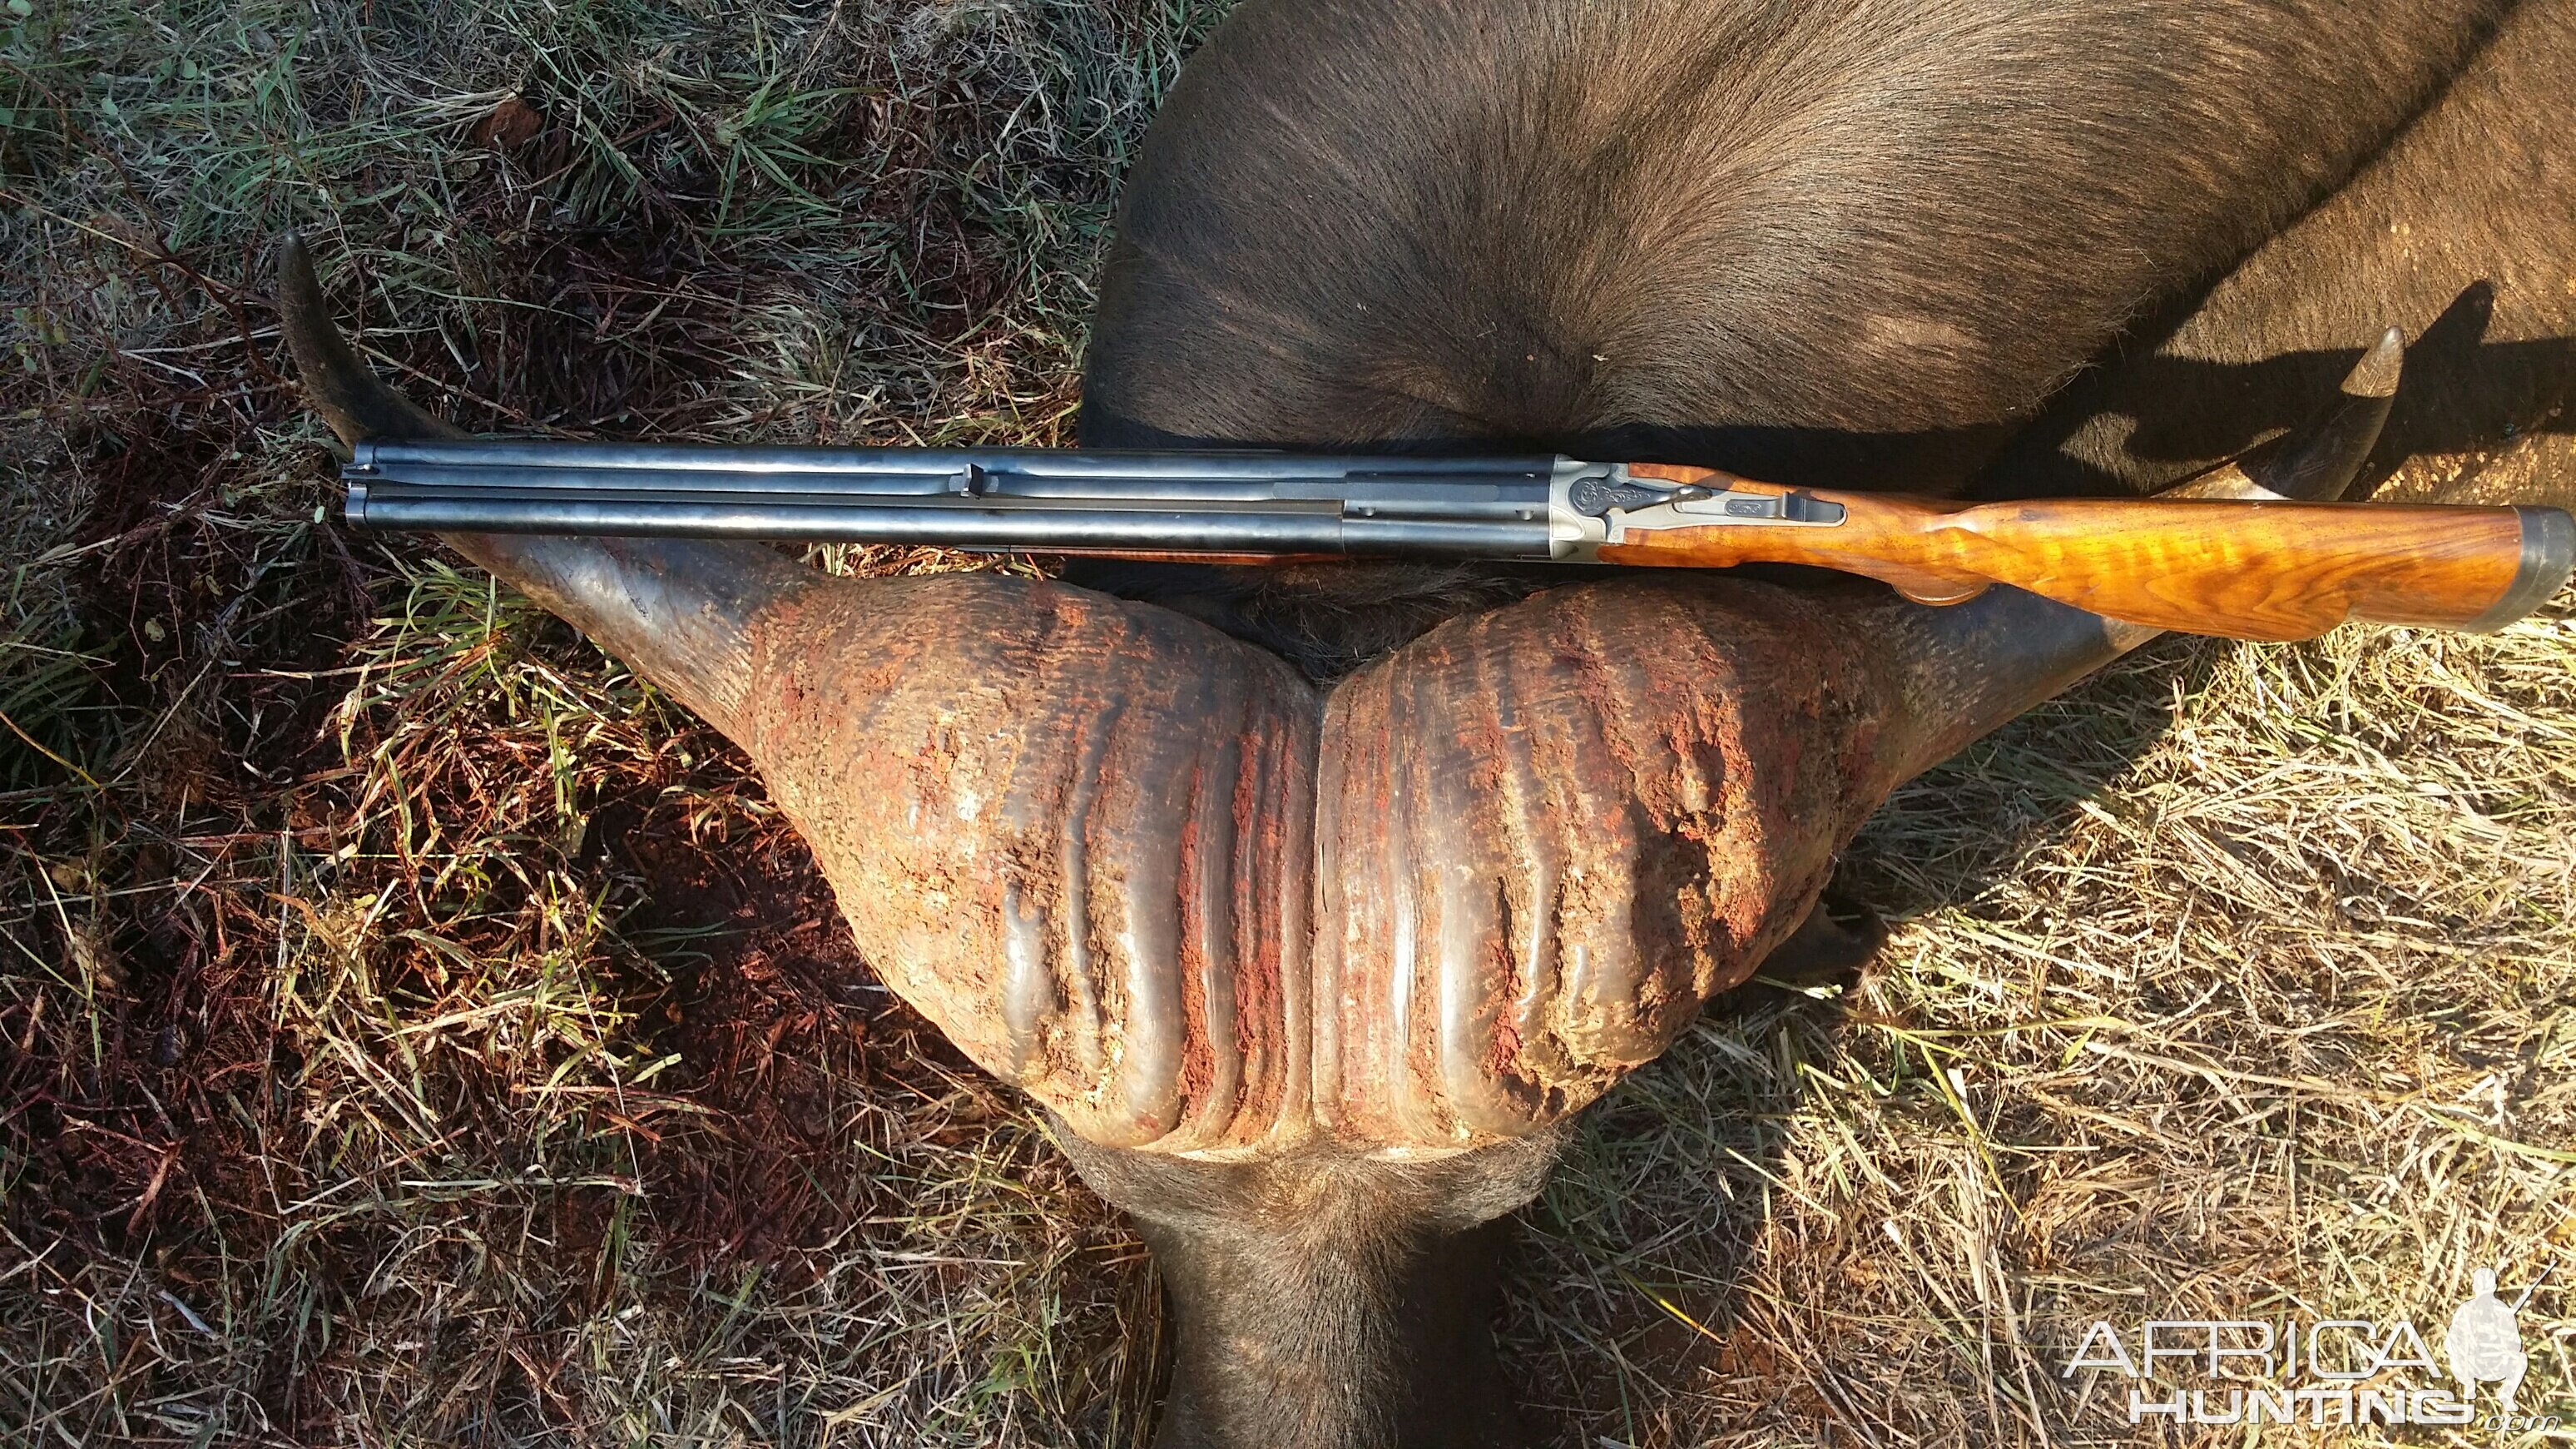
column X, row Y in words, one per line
column 2261, row 568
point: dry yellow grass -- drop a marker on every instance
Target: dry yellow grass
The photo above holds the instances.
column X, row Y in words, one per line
column 419, row 1032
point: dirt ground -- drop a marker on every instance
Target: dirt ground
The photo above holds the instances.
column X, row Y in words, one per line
column 419, row 1032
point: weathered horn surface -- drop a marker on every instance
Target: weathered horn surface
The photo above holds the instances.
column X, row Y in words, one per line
column 1549, row 832
column 1146, row 872
column 1072, row 830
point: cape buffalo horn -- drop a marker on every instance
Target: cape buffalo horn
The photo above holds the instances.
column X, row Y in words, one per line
column 2319, row 463
column 1142, row 870
column 1071, row 830
column 678, row 611
column 1547, row 833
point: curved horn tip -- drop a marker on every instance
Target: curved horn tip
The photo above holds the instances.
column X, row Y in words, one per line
column 2322, row 461
column 336, row 381
column 2377, row 373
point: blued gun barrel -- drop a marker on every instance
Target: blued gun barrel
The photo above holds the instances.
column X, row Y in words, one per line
column 1207, row 504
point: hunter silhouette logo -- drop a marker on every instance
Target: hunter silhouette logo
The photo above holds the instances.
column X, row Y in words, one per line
column 2485, row 1342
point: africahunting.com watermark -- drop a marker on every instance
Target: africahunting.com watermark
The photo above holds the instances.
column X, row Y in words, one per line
column 2323, row 1371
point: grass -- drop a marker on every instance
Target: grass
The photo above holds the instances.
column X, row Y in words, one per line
column 418, row 1031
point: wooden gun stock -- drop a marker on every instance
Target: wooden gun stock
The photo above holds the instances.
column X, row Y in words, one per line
column 2242, row 569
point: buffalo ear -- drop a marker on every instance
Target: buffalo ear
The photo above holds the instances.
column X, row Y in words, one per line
column 1838, row 939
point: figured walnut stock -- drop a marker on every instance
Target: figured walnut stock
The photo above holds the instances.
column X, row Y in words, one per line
column 2259, row 569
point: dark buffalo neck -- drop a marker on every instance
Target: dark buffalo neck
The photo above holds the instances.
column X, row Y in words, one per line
column 1326, row 1300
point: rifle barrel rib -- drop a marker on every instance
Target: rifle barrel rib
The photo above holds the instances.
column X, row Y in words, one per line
column 1220, row 503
